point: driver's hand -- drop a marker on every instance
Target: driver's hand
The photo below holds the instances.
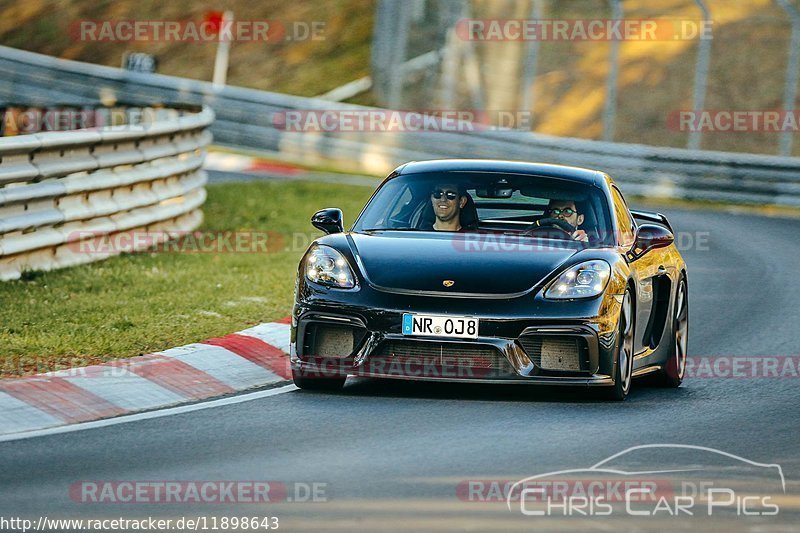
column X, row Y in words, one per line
column 580, row 235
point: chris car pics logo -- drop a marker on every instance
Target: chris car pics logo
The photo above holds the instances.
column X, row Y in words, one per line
column 654, row 480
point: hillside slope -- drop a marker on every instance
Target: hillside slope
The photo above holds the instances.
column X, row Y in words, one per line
column 749, row 55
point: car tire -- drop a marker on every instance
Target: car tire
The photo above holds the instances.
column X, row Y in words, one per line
column 674, row 371
column 623, row 359
column 316, row 383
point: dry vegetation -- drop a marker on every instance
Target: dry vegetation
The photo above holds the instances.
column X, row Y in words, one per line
column 748, row 58
column 306, row 67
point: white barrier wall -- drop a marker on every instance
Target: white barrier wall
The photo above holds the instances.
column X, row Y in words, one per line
column 64, row 194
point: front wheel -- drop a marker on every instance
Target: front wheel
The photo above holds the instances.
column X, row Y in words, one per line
column 673, row 372
column 623, row 366
column 317, row 383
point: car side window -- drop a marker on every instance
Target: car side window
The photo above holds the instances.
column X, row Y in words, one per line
column 400, row 203
column 625, row 223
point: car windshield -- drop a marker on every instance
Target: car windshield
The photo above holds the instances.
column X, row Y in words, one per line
column 493, row 202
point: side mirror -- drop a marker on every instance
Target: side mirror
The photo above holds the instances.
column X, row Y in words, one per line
column 329, row 220
column 649, row 237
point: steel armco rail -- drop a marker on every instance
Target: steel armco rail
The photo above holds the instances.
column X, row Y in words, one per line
column 71, row 197
column 250, row 118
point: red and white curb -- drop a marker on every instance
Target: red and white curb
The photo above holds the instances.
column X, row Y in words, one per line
column 241, row 165
column 228, row 162
column 251, row 358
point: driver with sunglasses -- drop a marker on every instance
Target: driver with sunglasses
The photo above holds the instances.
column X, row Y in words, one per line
column 448, row 200
column 567, row 211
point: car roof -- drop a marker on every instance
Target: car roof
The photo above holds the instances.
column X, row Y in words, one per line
column 581, row 175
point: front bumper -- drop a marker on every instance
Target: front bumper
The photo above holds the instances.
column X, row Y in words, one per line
column 520, row 340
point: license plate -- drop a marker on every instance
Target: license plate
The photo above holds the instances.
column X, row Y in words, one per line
column 440, row 326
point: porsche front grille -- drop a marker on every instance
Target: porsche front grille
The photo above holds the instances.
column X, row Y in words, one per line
column 446, row 359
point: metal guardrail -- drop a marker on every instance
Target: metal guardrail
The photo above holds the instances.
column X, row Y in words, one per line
column 62, row 190
column 247, row 118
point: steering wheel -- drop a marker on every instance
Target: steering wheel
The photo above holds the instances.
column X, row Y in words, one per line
column 546, row 226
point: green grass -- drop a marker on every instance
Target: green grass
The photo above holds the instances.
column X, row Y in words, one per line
column 146, row 302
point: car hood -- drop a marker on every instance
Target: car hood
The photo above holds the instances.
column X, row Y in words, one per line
column 482, row 264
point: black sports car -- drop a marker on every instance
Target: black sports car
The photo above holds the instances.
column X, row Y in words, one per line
column 492, row 271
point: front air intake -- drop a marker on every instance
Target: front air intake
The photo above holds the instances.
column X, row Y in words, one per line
column 331, row 340
column 552, row 352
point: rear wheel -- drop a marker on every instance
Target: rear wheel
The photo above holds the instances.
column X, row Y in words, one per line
column 317, row 383
column 673, row 372
column 623, row 366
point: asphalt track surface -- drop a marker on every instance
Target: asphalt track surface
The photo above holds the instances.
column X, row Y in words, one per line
column 392, row 454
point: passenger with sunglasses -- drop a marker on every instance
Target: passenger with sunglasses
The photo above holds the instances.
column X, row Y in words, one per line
column 448, row 200
column 567, row 211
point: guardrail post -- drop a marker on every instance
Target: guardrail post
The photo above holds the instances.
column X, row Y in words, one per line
column 389, row 33
column 528, row 86
column 790, row 90
column 451, row 53
column 610, row 107
column 700, row 75
column 399, row 46
column 472, row 72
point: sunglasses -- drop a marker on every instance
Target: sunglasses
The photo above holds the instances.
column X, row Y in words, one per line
column 567, row 211
column 450, row 195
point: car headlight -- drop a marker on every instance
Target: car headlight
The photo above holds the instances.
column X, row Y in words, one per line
column 326, row 266
column 580, row 281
